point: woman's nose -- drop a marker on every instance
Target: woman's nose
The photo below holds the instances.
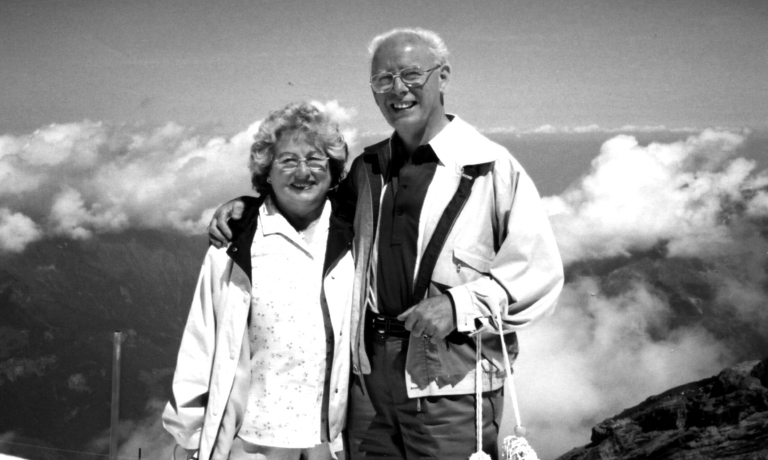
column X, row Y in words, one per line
column 302, row 169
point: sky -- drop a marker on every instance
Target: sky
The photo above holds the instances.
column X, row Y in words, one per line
column 516, row 63
column 119, row 115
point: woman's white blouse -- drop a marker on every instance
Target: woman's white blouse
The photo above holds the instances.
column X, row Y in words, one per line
column 287, row 337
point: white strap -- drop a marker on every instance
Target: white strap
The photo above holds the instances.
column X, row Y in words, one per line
column 508, row 369
column 479, row 394
column 514, row 448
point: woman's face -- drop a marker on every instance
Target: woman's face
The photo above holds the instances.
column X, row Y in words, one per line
column 300, row 176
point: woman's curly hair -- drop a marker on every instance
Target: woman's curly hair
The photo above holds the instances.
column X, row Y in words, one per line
column 301, row 118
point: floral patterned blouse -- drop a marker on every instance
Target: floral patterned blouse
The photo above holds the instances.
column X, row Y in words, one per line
column 286, row 332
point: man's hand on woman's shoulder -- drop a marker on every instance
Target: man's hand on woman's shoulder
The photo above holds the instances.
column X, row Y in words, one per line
column 219, row 233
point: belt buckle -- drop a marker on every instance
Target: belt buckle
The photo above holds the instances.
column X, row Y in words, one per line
column 382, row 329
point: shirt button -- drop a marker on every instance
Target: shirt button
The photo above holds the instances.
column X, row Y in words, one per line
column 231, row 355
column 234, row 249
column 399, row 213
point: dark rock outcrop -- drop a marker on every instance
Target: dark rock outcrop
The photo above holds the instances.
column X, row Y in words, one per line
column 722, row 417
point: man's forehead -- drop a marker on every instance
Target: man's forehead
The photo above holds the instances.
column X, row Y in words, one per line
column 402, row 48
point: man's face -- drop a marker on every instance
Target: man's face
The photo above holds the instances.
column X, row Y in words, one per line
column 409, row 110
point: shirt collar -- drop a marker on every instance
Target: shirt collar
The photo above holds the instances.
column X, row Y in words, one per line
column 272, row 220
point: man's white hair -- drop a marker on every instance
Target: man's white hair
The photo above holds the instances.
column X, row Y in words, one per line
column 433, row 41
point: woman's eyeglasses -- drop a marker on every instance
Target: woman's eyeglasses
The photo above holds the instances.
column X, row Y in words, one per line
column 291, row 163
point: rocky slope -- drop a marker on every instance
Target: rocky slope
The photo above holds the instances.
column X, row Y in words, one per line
column 722, row 417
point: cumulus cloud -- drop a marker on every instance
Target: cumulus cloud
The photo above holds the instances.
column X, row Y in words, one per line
column 80, row 179
column 16, row 231
column 593, row 128
column 688, row 193
column 9, row 457
column 343, row 116
column 600, row 354
column 619, row 335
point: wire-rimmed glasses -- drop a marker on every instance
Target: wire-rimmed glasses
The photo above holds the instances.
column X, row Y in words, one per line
column 412, row 77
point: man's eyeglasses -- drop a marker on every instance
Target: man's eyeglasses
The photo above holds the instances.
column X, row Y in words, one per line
column 314, row 163
column 412, row 77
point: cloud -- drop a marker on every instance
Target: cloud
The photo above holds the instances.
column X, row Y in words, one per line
column 16, row 231
column 9, row 457
column 600, row 354
column 343, row 116
column 593, row 128
column 79, row 179
column 619, row 334
column 687, row 193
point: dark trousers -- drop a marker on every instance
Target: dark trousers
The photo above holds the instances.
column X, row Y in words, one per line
column 384, row 423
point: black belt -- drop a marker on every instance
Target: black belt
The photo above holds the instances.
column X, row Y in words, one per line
column 388, row 326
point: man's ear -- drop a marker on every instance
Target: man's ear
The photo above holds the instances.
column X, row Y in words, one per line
column 445, row 77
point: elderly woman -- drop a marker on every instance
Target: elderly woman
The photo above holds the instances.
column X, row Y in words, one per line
column 263, row 368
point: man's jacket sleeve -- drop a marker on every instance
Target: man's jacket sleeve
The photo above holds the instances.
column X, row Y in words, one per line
column 184, row 414
column 526, row 274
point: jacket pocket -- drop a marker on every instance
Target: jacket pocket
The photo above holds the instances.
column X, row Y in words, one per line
column 463, row 258
column 459, row 267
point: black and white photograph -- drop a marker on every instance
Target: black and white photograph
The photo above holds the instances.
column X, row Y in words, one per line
column 315, row 230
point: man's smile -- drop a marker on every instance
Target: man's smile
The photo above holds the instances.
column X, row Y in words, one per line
column 403, row 105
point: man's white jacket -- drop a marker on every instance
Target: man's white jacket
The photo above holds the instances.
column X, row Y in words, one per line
column 499, row 254
column 210, row 385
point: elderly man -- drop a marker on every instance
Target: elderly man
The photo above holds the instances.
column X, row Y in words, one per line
column 448, row 228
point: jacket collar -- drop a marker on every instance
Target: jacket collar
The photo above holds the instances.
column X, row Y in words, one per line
column 243, row 231
column 340, row 235
column 459, row 144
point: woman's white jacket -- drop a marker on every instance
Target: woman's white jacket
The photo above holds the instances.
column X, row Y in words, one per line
column 212, row 377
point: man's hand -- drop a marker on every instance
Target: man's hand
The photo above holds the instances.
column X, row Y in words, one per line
column 431, row 318
column 219, row 234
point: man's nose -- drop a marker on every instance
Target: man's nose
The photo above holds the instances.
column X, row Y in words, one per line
column 398, row 87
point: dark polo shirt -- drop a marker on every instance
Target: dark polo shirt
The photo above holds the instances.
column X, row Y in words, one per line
column 409, row 180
